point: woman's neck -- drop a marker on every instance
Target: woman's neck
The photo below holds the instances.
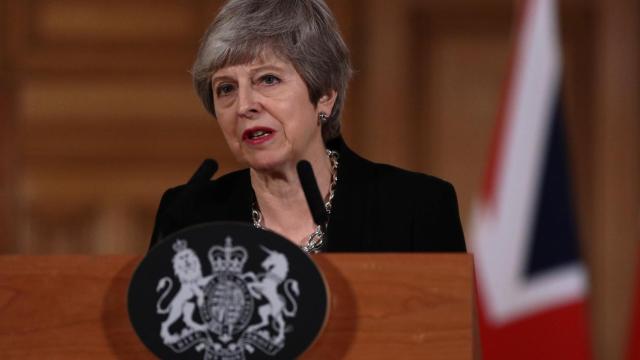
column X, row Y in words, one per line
column 282, row 202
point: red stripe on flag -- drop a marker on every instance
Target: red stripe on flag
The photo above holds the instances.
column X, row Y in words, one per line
column 634, row 335
column 558, row 333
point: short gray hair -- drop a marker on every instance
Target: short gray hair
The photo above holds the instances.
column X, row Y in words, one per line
column 304, row 32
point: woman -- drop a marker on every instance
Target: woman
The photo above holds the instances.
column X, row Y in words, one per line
column 274, row 74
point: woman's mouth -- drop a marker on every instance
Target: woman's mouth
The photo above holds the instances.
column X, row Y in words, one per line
column 257, row 135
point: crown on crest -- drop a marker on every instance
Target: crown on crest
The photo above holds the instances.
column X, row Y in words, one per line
column 228, row 258
column 179, row 245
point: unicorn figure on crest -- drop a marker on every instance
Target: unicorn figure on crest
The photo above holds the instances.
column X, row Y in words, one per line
column 266, row 285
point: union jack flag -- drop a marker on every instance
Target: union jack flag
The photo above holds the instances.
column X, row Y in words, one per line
column 530, row 281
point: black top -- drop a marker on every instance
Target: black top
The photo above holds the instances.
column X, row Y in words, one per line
column 376, row 207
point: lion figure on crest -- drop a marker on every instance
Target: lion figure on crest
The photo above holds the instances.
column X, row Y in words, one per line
column 188, row 270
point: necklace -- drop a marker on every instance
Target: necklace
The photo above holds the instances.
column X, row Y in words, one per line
column 315, row 240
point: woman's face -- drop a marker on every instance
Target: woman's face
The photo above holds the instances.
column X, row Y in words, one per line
column 265, row 114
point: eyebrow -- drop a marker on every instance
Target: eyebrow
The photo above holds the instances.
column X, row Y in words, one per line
column 220, row 78
column 266, row 67
column 252, row 71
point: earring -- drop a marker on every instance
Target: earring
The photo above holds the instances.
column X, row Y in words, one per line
column 322, row 118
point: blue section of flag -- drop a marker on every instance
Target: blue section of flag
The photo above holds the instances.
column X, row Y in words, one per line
column 554, row 242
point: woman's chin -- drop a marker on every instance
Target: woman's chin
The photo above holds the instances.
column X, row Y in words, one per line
column 267, row 165
column 275, row 160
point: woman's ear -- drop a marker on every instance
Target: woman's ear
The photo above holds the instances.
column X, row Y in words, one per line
column 326, row 102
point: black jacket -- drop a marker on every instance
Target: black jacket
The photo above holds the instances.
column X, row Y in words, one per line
column 376, row 207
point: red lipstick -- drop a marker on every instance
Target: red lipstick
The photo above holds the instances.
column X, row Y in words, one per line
column 257, row 135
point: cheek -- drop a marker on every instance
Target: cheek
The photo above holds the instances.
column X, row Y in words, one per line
column 228, row 128
column 225, row 128
column 305, row 122
column 295, row 112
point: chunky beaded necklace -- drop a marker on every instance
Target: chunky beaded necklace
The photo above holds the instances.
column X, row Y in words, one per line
column 317, row 239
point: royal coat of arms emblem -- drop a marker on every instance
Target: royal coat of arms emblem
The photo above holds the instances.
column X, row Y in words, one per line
column 237, row 298
column 226, row 300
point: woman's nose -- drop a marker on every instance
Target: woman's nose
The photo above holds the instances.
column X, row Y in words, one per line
column 247, row 101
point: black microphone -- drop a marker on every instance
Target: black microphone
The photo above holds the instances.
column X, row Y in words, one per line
column 198, row 180
column 312, row 193
column 204, row 173
column 172, row 216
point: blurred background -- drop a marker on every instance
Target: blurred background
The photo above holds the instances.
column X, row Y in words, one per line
column 98, row 117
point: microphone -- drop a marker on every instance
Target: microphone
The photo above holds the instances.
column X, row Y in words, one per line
column 198, row 180
column 204, row 173
column 172, row 216
column 312, row 193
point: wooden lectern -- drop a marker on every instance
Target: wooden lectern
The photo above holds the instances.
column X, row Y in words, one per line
column 383, row 306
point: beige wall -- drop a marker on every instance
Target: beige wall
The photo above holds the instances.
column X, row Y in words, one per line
column 97, row 117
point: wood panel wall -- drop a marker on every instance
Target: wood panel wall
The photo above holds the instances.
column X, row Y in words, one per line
column 616, row 173
column 105, row 118
column 97, row 116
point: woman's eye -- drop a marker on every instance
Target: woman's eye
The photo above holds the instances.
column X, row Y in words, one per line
column 224, row 89
column 270, row 79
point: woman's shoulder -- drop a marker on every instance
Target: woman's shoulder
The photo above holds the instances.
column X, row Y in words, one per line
column 419, row 209
column 399, row 176
column 396, row 179
column 366, row 171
